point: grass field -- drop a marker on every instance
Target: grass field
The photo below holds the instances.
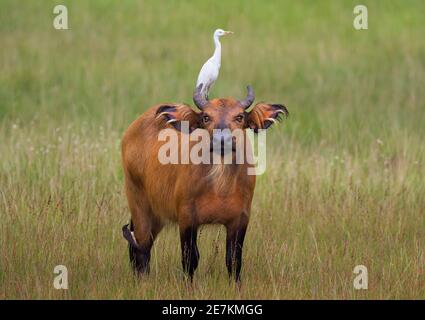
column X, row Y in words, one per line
column 345, row 174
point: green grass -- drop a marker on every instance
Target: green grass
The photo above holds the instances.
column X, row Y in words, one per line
column 345, row 174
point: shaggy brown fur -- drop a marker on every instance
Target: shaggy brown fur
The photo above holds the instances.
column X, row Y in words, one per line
column 188, row 194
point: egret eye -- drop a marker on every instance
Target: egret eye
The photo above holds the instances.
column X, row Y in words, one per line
column 205, row 119
column 239, row 118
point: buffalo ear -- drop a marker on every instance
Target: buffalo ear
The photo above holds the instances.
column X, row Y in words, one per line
column 263, row 115
column 174, row 114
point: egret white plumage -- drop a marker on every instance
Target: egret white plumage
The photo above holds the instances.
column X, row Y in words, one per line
column 210, row 69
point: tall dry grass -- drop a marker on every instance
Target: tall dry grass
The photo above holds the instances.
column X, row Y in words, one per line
column 345, row 174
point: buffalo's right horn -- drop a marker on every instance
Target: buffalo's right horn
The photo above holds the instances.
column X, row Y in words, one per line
column 250, row 97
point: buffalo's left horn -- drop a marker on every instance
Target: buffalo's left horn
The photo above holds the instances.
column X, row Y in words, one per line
column 199, row 98
column 250, row 97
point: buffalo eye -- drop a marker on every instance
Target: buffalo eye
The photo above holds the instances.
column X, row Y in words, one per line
column 205, row 118
column 239, row 118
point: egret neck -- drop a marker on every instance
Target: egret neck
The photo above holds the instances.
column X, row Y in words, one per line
column 217, row 52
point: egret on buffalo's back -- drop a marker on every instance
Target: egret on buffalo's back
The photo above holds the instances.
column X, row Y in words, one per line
column 210, row 69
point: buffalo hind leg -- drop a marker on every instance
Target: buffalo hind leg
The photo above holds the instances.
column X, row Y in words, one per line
column 190, row 253
column 143, row 229
column 139, row 255
column 234, row 244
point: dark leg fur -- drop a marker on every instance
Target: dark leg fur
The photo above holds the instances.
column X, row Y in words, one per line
column 234, row 245
column 190, row 253
column 139, row 256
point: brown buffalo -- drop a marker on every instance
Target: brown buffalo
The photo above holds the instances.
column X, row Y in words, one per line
column 190, row 194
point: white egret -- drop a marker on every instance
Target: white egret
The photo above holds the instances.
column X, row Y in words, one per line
column 210, row 69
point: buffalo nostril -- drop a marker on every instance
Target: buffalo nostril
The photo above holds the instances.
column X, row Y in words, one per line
column 217, row 139
column 222, row 139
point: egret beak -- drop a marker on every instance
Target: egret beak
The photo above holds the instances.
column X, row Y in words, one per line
column 228, row 32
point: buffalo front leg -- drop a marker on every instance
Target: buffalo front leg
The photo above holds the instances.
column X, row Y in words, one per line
column 190, row 253
column 234, row 244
